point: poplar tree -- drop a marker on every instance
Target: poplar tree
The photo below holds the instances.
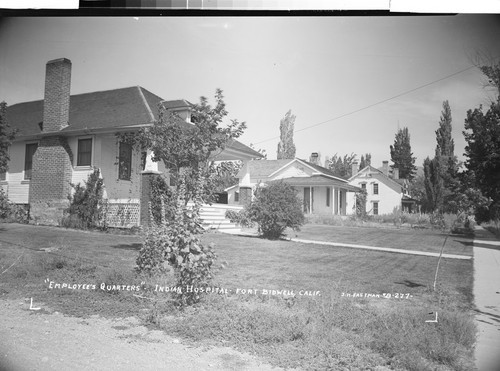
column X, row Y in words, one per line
column 286, row 148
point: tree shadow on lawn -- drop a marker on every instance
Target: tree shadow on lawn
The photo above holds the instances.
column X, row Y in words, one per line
column 409, row 283
column 478, row 243
column 131, row 246
column 465, row 243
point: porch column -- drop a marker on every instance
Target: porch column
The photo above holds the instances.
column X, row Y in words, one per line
column 245, row 179
column 336, row 201
column 150, row 164
column 311, row 200
column 150, row 172
column 332, row 200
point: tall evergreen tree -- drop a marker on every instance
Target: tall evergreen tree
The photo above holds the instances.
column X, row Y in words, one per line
column 286, row 148
column 401, row 155
column 365, row 161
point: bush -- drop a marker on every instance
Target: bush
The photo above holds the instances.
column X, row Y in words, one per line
column 276, row 207
column 161, row 192
column 175, row 243
column 87, row 208
column 240, row 217
column 11, row 212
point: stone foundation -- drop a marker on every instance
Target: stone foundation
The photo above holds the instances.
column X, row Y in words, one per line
column 48, row 212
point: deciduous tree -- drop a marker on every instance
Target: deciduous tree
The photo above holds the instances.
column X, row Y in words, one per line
column 482, row 134
column 342, row 166
column 6, row 138
column 183, row 146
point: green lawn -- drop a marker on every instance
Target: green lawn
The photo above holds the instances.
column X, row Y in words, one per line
column 429, row 240
column 331, row 331
column 258, row 263
column 255, row 263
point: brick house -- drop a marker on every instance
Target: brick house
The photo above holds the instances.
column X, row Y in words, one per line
column 62, row 138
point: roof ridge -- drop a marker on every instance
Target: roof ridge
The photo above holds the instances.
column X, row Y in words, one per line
column 139, row 88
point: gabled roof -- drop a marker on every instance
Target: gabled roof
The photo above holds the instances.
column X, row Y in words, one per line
column 398, row 182
column 104, row 110
column 321, row 169
column 267, row 168
column 264, row 168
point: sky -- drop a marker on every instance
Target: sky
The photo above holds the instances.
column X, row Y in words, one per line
column 351, row 82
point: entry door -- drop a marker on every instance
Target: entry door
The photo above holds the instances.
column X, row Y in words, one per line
column 307, row 200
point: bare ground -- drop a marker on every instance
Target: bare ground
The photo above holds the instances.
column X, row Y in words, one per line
column 47, row 340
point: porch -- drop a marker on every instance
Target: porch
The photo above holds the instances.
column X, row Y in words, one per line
column 321, row 194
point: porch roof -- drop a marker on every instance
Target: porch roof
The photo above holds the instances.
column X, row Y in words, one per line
column 318, row 181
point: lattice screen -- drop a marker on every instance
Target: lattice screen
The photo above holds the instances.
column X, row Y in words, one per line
column 123, row 215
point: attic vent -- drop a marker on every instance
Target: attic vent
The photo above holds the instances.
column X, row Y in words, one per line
column 40, row 125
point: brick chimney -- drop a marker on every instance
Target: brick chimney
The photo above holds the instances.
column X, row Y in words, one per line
column 395, row 173
column 52, row 162
column 57, row 92
column 354, row 168
column 314, row 158
column 385, row 168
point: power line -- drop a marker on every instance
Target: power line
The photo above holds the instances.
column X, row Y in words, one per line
column 374, row 104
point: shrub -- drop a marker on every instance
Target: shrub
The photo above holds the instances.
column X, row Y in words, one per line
column 161, row 192
column 276, row 207
column 176, row 243
column 4, row 205
column 87, row 208
column 240, row 217
column 11, row 212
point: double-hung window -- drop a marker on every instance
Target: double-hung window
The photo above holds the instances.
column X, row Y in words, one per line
column 28, row 159
column 375, row 208
column 125, row 161
column 84, row 157
column 375, row 188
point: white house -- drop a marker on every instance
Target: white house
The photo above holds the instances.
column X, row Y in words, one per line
column 321, row 192
column 385, row 192
column 62, row 138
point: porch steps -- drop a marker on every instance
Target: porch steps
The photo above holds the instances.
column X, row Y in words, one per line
column 214, row 218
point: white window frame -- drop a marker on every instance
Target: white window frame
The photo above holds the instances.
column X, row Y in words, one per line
column 91, row 152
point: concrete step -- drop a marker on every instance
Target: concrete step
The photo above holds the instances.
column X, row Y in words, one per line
column 213, row 217
column 216, row 222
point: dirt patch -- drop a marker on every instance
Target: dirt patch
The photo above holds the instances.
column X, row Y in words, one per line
column 48, row 340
